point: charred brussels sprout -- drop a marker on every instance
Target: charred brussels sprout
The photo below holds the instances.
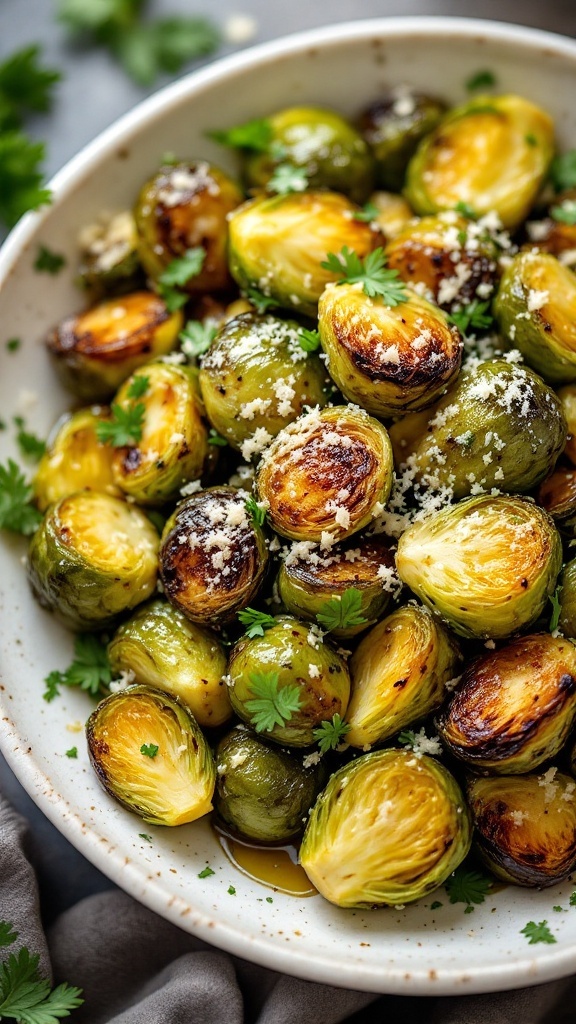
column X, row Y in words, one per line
column 109, row 263
column 263, row 792
column 95, row 351
column 174, row 442
column 389, row 828
column 277, row 245
column 393, row 127
column 257, row 376
column 213, row 556
column 323, row 143
column 487, row 565
column 567, row 621
column 326, row 475
column 149, row 753
column 290, row 660
column 389, row 359
column 185, row 206
column 535, row 308
column 567, row 396
column 492, row 153
column 74, row 459
column 366, row 564
column 500, row 426
column 398, row 671
column 526, row 826
column 160, row 647
column 558, row 496
column 556, row 236
column 92, row 557
column 514, row 708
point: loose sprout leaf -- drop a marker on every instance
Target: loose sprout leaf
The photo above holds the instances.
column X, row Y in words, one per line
column 556, row 608
column 16, row 511
column 72, row 753
column 21, row 178
column 287, row 178
column 149, row 749
column 371, row 272
column 328, row 735
column 25, row 86
column 90, row 669
column 196, row 338
column 342, row 613
column 138, row 386
column 484, row 79
column 475, row 315
column 563, row 171
column 271, row 706
column 29, row 444
column 368, row 213
column 25, row 995
column 254, row 135
column 48, row 262
column 206, row 872
column 565, row 214
column 124, row 428
column 465, row 886
column 537, row 933
column 7, row 933
column 466, row 210
column 309, row 341
column 262, row 303
column 217, row 439
column 13, row 344
column 257, row 622
column 256, row 512
column 176, row 276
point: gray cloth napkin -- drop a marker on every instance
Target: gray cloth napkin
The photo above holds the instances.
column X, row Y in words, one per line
column 136, row 968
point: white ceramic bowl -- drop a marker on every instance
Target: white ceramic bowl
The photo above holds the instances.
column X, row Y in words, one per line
column 416, row 950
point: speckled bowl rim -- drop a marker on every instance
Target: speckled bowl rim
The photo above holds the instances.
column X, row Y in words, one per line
column 525, row 970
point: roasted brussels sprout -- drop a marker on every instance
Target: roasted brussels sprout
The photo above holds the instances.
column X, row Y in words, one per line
column 567, row 396
column 263, row 792
column 174, row 442
column 256, row 376
column 95, row 351
column 277, row 245
column 326, row 475
column 453, row 259
column 332, row 153
column 514, row 708
column 74, row 459
column 393, row 127
column 398, row 671
column 365, row 563
column 389, row 359
column 558, row 496
column 526, row 826
column 160, row 647
column 185, row 206
column 213, row 556
column 109, row 263
column 93, row 557
column 388, row 829
column 535, row 311
column 500, row 426
column 391, row 213
column 567, row 598
column 492, row 153
column 292, row 660
column 556, row 232
column 149, row 753
column 487, row 565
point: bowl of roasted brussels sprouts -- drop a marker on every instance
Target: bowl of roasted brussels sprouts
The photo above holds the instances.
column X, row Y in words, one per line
column 287, row 505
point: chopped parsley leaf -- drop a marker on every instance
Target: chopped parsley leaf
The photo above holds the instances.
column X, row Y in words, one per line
column 272, row 705
column 48, row 262
column 149, row 749
column 371, row 272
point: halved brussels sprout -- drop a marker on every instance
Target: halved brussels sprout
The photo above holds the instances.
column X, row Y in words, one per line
column 149, row 753
column 487, row 565
column 398, row 671
column 257, row 376
column 213, row 556
column 567, row 597
column 263, row 792
column 388, row 829
column 95, row 351
column 491, row 153
column 277, row 245
column 162, row 648
column 535, row 309
column 109, row 262
column 500, row 426
column 450, row 257
column 290, row 659
column 567, row 396
column 514, row 708
column 525, row 826
column 74, row 459
column 389, row 359
column 393, row 127
column 365, row 563
column 93, row 557
column 391, row 213
column 185, row 206
column 174, row 442
column 558, row 496
column 556, row 236
column 326, row 475
column 322, row 142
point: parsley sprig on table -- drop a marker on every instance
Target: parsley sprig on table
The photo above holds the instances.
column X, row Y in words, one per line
column 256, row 622
column 176, row 276
column 537, row 933
column 329, row 735
column 16, row 510
column 271, row 705
column 464, row 886
column 475, row 316
column 342, row 612
column 371, row 272
column 124, row 428
column 25, row 995
column 90, row 669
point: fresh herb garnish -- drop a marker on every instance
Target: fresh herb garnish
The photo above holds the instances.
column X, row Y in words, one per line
column 124, row 428
column 371, row 272
column 215, row 438
column 309, row 341
column 7, row 934
column 537, row 933
column 474, row 316
column 138, row 386
column 342, row 612
column 145, row 837
column 572, row 900
column 72, row 753
column 481, row 80
column 269, row 899
column 563, row 171
column 196, row 338
column 435, row 905
column 206, row 872
column 468, row 887
column 466, row 210
column 29, row 444
column 329, row 735
column 564, row 214
column 257, row 622
column 90, row 669
column 556, row 608
column 255, row 136
column 262, row 303
column 13, row 344
column 558, row 910
column 256, row 512
column 176, row 276
column 21, row 178
column 16, row 510
column 149, row 749
column 368, row 213
column 287, row 178
column 231, row 890
column 48, row 262
column 25, row 995
column 25, row 87
column 407, row 738
column 271, row 705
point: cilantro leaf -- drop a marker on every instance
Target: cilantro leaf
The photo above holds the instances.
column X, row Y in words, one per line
column 329, row 734
column 206, row 872
column 176, row 276
column 90, row 669
column 196, row 338
column 124, row 428
column 20, row 176
column 342, row 612
column 29, row 444
column 475, row 315
column 376, row 279
column 481, row 80
column 261, row 302
column 24, row 86
column 563, row 171
column 7, row 933
column 287, row 178
column 257, row 622
column 465, row 886
column 16, row 511
column 254, row 136
column 149, row 749
column 48, row 262
column 564, row 214
column 271, row 705
column 138, row 386
column 556, row 608
column 367, row 214
column 537, row 932
column 255, row 511
column 309, row 341
column 25, row 995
